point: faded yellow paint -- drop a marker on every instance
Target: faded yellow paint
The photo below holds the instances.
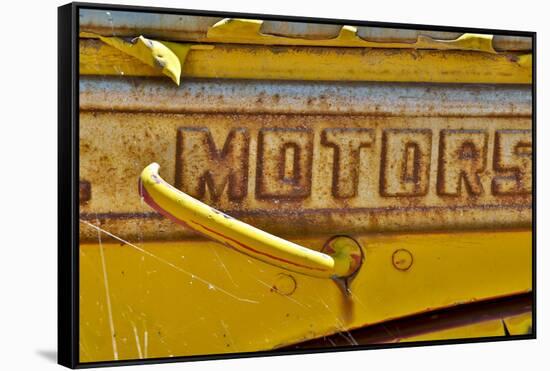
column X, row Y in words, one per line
column 317, row 63
column 199, row 297
column 476, row 330
column 519, row 325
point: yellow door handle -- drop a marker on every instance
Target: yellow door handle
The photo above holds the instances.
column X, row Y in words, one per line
column 342, row 259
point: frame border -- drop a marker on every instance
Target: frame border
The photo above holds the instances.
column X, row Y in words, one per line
column 68, row 178
column 67, row 172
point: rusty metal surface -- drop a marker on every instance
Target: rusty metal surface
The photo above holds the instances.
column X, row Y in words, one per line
column 194, row 28
column 242, row 96
column 120, row 23
column 300, row 29
column 379, row 34
column 408, row 170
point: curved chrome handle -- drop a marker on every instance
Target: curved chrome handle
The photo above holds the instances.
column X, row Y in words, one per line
column 343, row 256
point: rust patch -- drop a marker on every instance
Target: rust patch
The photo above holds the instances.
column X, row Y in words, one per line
column 200, row 165
column 84, row 191
column 405, row 162
column 512, row 162
column 462, row 159
column 346, row 145
column 137, row 94
column 284, row 163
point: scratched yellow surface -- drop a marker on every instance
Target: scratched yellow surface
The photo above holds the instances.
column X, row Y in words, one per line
column 147, row 299
column 151, row 299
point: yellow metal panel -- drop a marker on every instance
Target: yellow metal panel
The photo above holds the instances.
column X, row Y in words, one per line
column 316, row 63
column 519, row 325
column 198, row 297
column 476, row 330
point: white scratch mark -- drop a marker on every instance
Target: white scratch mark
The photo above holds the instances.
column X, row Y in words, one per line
column 340, row 325
column 357, row 300
column 84, row 350
column 214, row 249
column 285, row 296
column 145, row 343
column 107, row 296
column 343, row 332
column 136, row 336
column 193, row 276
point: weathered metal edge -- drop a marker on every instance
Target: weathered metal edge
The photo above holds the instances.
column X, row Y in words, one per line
column 134, row 94
column 147, row 226
column 195, row 28
column 318, row 64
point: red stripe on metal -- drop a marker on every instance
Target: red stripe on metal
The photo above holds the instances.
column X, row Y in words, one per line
column 256, row 251
column 151, row 202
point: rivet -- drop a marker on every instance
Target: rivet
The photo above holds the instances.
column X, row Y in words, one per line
column 402, row 259
column 284, row 284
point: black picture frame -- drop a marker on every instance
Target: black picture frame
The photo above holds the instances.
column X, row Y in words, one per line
column 68, row 181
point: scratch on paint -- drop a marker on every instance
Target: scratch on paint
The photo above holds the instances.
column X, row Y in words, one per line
column 223, row 265
column 193, row 276
column 136, row 336
column 108, row 297
column 340, row 325
column 145, row 343
column 285, row 296
column 84, row 350
column 357, row 300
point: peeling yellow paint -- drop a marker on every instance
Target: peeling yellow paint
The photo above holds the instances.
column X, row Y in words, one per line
column 248, row 31
column 313, row 63
column 155, row 54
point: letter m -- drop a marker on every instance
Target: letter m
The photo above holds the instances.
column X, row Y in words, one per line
column 200, row 165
